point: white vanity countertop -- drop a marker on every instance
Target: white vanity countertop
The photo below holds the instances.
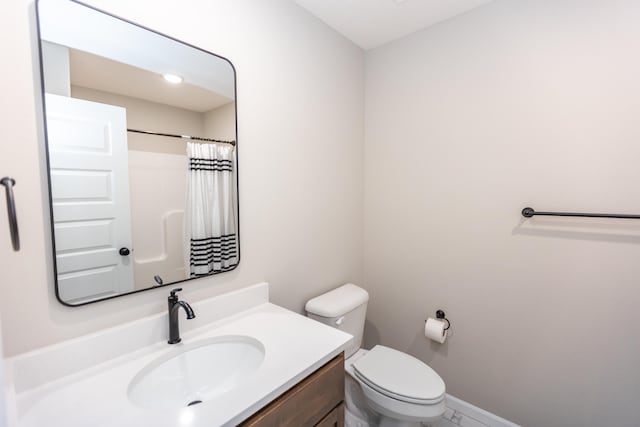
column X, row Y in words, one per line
column 295, row 346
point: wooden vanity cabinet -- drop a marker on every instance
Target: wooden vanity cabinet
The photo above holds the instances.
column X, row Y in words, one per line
column 318, row 400
column 334, row 418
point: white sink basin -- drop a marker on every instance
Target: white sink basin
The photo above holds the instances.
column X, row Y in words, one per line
column 195, row 373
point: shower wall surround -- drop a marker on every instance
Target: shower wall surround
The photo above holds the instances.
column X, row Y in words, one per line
column 156, row 162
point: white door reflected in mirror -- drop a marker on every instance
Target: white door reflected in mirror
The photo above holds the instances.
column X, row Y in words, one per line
column 88, row 165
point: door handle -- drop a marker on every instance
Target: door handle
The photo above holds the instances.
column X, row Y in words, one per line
column 124, row 251
column 11, row 212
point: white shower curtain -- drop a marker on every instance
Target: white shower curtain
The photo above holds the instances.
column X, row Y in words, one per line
column 210, row 214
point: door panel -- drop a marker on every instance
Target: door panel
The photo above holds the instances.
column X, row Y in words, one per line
column 78, row 236
column 89, row 187
column 81, row 186
column 104, row 280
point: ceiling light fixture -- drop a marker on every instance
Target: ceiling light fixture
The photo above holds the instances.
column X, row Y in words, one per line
column 172, row 78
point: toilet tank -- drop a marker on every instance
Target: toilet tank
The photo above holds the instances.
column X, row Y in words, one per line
column 344, row 308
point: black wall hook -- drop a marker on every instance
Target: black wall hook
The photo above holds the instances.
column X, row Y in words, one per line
column 441, row 315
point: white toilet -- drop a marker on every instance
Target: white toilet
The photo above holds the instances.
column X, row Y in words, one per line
column 384, row 387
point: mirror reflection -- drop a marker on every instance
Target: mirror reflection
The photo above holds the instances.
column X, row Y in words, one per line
column 141, row 144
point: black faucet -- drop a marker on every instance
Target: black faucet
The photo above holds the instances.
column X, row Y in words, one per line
column 174, row 308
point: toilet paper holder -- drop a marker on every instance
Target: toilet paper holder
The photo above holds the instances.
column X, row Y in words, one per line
column 441, row 315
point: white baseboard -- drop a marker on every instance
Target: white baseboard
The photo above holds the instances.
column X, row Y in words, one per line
column 463, row 414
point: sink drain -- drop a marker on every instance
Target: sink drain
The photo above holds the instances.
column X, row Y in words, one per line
column 195, row 402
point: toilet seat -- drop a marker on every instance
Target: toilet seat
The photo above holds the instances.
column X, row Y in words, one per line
column 399, row 376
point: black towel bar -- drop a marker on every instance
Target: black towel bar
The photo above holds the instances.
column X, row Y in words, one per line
column 530, row 212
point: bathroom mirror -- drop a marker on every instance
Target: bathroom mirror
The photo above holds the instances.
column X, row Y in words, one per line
column 141, row 155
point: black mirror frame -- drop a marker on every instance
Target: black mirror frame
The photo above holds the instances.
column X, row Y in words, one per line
column 46, row 153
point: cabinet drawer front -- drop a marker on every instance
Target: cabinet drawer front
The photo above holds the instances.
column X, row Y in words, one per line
column 334, row 418
column 308, row 402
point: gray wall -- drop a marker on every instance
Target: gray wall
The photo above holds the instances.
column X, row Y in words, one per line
column 516, row 103
column 300, row 139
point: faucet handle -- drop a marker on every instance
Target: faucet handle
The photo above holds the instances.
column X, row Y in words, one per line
column 173, row 292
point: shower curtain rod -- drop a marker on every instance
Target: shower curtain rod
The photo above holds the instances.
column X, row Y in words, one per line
column 171, row 135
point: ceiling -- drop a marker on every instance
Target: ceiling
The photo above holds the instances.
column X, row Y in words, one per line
column 371, row 23
column 95, row 72
column 78, row 27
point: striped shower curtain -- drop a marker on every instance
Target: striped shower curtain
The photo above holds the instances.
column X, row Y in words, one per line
column 211, row 214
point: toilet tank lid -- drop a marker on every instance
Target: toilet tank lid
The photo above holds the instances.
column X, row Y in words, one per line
column 338, row 302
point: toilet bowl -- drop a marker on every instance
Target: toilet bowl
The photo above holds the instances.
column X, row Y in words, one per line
column 384, row 387
column 395, row 389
